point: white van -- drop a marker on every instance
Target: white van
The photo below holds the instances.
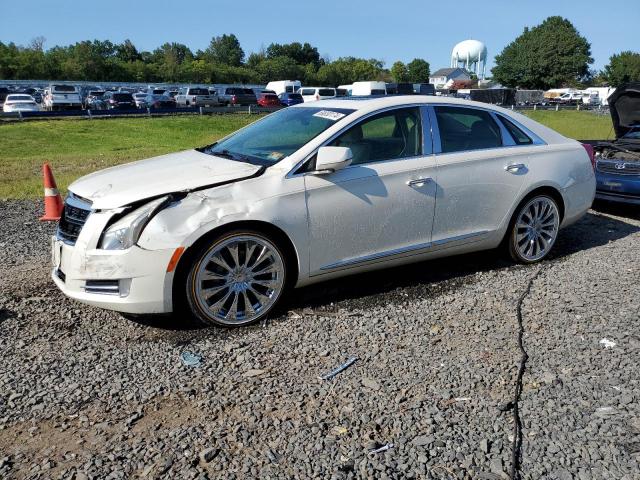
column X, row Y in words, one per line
column 284, row 86
column 360, row 89
column 311, row 94
column 344, row 90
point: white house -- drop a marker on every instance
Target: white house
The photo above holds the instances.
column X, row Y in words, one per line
column 444, row 77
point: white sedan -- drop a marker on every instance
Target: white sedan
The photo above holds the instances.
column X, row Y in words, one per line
column 313, row 192
column 20, row 102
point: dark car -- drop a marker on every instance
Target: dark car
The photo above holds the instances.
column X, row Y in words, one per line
column 37, row 96
column 94, row 100
column 118, row 101
column 266, row 99
column 159, row 101
column 4, row 91
column 618, row 161
column 287, row 99
column 238, row 96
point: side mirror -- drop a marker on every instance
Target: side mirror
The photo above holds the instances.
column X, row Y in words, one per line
column 330, row 159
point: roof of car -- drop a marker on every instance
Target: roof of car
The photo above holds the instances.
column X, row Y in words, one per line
column 376, row 102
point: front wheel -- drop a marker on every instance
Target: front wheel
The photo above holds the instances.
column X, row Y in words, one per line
column 534, row 229
column 236, row 280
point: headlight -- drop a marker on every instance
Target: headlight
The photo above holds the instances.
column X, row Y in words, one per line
column 125, row 232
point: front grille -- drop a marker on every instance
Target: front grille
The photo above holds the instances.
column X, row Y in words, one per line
column 106, row 287
column 619, row 167
column 74, row 215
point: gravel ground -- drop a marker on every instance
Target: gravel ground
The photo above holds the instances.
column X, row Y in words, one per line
column 86, row 393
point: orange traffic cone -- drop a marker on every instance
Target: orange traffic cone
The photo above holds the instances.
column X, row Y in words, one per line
column 52, row 198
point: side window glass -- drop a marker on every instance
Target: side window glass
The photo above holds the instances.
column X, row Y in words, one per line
column 466, row 129
column 386, row 136
column 518, row 135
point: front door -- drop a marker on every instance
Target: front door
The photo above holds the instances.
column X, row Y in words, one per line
column 382, row 205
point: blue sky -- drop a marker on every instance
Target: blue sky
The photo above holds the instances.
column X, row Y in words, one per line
column 373, row 29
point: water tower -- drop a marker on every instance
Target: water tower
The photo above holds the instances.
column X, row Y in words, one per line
column 472, row 55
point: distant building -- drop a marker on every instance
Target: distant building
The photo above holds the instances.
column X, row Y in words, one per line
column 445, row 77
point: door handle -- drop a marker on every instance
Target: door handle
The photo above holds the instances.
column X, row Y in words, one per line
column 418, row 182
column 515, row 167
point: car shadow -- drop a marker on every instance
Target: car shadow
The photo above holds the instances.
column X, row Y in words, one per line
column 618, row 209
column 423, row 279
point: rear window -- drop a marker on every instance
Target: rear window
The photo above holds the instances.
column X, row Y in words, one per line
column 122, row 97
column 198, row 91
column 231, row 91
column 247, row 91
column 466, row 129
column 308, row 91
column 326, row 92
column 376, row 91
column 64, row 88
column 295, row 96
column 159, row 91
column 19, row 97
column 518, row 135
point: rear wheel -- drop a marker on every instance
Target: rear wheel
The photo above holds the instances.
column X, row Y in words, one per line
column 237, row 279
column 534, row 229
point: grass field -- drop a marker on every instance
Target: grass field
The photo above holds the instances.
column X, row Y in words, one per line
column 77, row 147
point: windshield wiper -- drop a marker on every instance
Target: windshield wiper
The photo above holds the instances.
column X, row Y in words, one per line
column 231, row 155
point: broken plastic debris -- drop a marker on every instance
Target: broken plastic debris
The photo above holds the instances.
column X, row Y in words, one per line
column 606, row 343
column 190, row 359
column 462, row 399
column 339, row 369
column 381, row 449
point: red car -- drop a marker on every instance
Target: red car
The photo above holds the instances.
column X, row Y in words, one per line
column 268, row 100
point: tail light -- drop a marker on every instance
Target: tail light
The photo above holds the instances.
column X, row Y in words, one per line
column 592, row 156
column 317, row 97
column 194, row 99
column 234, row 99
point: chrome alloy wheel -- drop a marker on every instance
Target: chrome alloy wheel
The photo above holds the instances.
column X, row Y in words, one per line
column 239, row 279
column 536, row 228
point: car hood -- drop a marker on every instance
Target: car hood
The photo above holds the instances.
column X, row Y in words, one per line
column 624, row 105
column 183, row 171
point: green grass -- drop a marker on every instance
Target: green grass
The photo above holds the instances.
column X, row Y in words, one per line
column 77, row 147
column 574, row 124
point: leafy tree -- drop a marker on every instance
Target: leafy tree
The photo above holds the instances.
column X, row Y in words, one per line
column 418, row 71
column 225, row 50
column 347, row 70
column 278, row 68
column 623, row 67
column 299, row 53
column 127, row 52
column 548, row 55
column 400, row 72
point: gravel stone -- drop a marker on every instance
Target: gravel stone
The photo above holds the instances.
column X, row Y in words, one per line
column 88, row 393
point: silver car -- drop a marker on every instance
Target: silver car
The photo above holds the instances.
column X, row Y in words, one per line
column 313, row 192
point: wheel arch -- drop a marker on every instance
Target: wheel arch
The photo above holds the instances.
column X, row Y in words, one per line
column 275, row 234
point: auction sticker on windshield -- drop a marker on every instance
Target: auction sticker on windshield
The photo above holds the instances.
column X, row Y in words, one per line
column 329, row 115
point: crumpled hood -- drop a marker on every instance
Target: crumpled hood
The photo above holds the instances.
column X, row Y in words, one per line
column 624, row 105
column 124, row 184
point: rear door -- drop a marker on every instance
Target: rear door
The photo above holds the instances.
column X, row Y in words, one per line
column 380, row 207
column 480, row 176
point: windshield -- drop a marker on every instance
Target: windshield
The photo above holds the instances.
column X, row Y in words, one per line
column 633, row 134
column 64, row 88
column 19, row 98
column 278, row 135
column 198, row 91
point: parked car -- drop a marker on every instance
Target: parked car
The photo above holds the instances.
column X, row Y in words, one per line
column 4, row 91
column 156, row 101
column 268, row 100
column 313, row 192
column 238, row 96
column 196, row 97
column 618, row 162
column 289, row 99
column 94, row 101
column 20, row 102
column 569, row 98
column 139, row 99
column 313, row 94
column 118, row 101
column 61, row 97
column 284, row 86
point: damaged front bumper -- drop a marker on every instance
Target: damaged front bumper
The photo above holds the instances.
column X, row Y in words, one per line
column 134, row 280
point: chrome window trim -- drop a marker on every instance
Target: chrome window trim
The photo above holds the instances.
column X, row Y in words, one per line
column 425, row 144
column 496, row 116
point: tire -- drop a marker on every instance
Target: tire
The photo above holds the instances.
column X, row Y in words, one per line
column 237, row 279
column 533, row 229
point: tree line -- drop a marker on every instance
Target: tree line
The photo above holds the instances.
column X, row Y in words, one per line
column 554, row 54
column 223, row 61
